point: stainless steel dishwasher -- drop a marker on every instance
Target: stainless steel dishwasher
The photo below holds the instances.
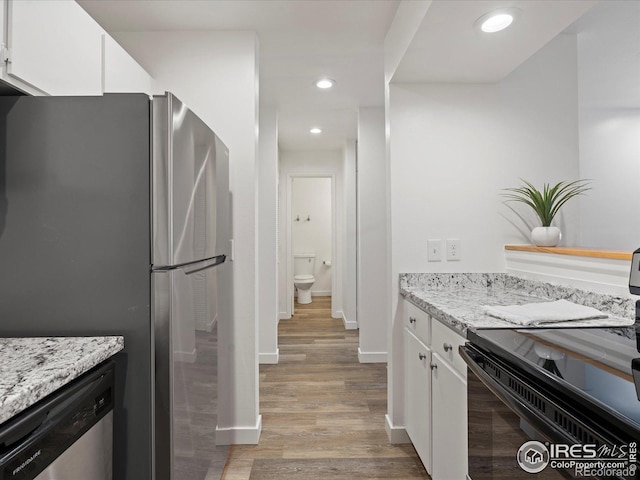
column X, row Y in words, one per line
column 66, row 436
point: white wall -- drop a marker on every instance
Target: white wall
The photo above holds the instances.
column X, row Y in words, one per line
column 267, row 239
column 312, row 198
column 318, row 163
column 610, row 142
column 404, row 26
column 216, row 75
column 609, row 115
column 373, row 276
column 120, row 71
column 454, row 147
column 350, row 277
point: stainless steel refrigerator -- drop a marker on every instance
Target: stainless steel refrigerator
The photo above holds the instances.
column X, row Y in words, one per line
column 115, row 220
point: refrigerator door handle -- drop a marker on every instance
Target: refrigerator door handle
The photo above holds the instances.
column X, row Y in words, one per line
column 218, row 259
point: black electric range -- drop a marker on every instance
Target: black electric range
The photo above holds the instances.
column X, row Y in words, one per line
column 571, row 393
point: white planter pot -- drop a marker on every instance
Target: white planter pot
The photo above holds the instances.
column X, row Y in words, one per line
column 546, row 236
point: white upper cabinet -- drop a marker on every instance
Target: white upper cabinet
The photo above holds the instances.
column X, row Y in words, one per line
column 3, row 8
column 121, row 72
column 54, row 46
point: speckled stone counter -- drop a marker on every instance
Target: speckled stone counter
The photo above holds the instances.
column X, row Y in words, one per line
column 32, row 368
column 456, row 299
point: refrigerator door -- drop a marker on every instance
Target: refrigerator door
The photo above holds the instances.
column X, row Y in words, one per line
column 187, row 309
column 184, row 185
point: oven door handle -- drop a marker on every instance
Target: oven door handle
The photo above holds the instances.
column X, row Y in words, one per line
column 536, row 420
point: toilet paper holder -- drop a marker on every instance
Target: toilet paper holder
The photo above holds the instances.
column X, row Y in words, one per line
column 327, row 263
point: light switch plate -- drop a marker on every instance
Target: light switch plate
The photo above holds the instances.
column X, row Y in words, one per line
column 434, row 250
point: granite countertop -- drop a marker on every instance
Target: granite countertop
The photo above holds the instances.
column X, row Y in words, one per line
column 456, row 299
column 32, row 368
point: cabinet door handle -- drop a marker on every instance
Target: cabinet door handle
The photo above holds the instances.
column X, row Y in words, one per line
column 422, row 356
column 412, row 319
column 433, row 366
column 447, row 347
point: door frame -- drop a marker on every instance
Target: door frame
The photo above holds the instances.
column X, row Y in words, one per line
column 336, row 266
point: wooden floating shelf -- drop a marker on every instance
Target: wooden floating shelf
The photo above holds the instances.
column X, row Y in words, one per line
column 574, row 251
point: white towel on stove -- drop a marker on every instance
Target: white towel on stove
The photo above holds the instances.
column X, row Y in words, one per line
column 537, row 313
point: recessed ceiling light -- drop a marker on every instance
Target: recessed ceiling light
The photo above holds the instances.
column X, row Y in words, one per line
column 496, row 23
column 315, row 130
column 497, row 20
column 325, row 83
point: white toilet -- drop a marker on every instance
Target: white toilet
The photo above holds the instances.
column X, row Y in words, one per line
column 303, row 279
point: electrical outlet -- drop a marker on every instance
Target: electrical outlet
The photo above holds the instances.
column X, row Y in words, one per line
column 453, row 249
column 434, row 250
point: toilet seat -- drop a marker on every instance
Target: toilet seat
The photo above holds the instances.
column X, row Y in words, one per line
column 303, row 278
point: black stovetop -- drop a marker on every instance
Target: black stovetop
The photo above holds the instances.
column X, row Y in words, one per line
column 594, row 363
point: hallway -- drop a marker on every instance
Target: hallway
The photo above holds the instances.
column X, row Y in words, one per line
column 322, row 411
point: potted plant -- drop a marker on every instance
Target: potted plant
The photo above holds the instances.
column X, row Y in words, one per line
column 546, row 203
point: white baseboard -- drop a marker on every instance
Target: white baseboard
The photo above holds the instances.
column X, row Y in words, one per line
column 348, row 325
column 316, row 293
column 320, row 293
column 372, row 357
column 396, row 435
column 185, row 357
column 269, row 358
column 239, row 435
column 284, row 316
column 207, row 326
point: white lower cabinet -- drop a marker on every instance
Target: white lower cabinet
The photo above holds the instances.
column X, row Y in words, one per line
column 449, row 422
column 417, row 397
column 435, row 395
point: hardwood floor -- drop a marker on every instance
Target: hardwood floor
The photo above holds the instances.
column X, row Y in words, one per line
column 322, row 410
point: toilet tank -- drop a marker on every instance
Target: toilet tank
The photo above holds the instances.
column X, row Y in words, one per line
column 304, row 263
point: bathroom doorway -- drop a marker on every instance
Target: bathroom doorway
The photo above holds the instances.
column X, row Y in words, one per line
column 311, row 239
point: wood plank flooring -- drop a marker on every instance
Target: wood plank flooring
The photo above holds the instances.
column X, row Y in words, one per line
column 322, row 410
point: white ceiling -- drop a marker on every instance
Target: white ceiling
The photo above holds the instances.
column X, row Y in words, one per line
column 302, row 40
column 449, row 48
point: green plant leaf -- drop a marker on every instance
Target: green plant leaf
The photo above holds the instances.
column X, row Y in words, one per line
column 546, row 202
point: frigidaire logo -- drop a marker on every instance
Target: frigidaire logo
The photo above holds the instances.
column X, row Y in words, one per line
column 26, row 462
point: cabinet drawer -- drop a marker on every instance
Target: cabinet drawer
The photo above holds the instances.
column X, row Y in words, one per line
column 417, row 322
column 445, row 342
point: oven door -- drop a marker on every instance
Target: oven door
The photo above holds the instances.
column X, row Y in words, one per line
column 499, row 423
column 507, row 409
